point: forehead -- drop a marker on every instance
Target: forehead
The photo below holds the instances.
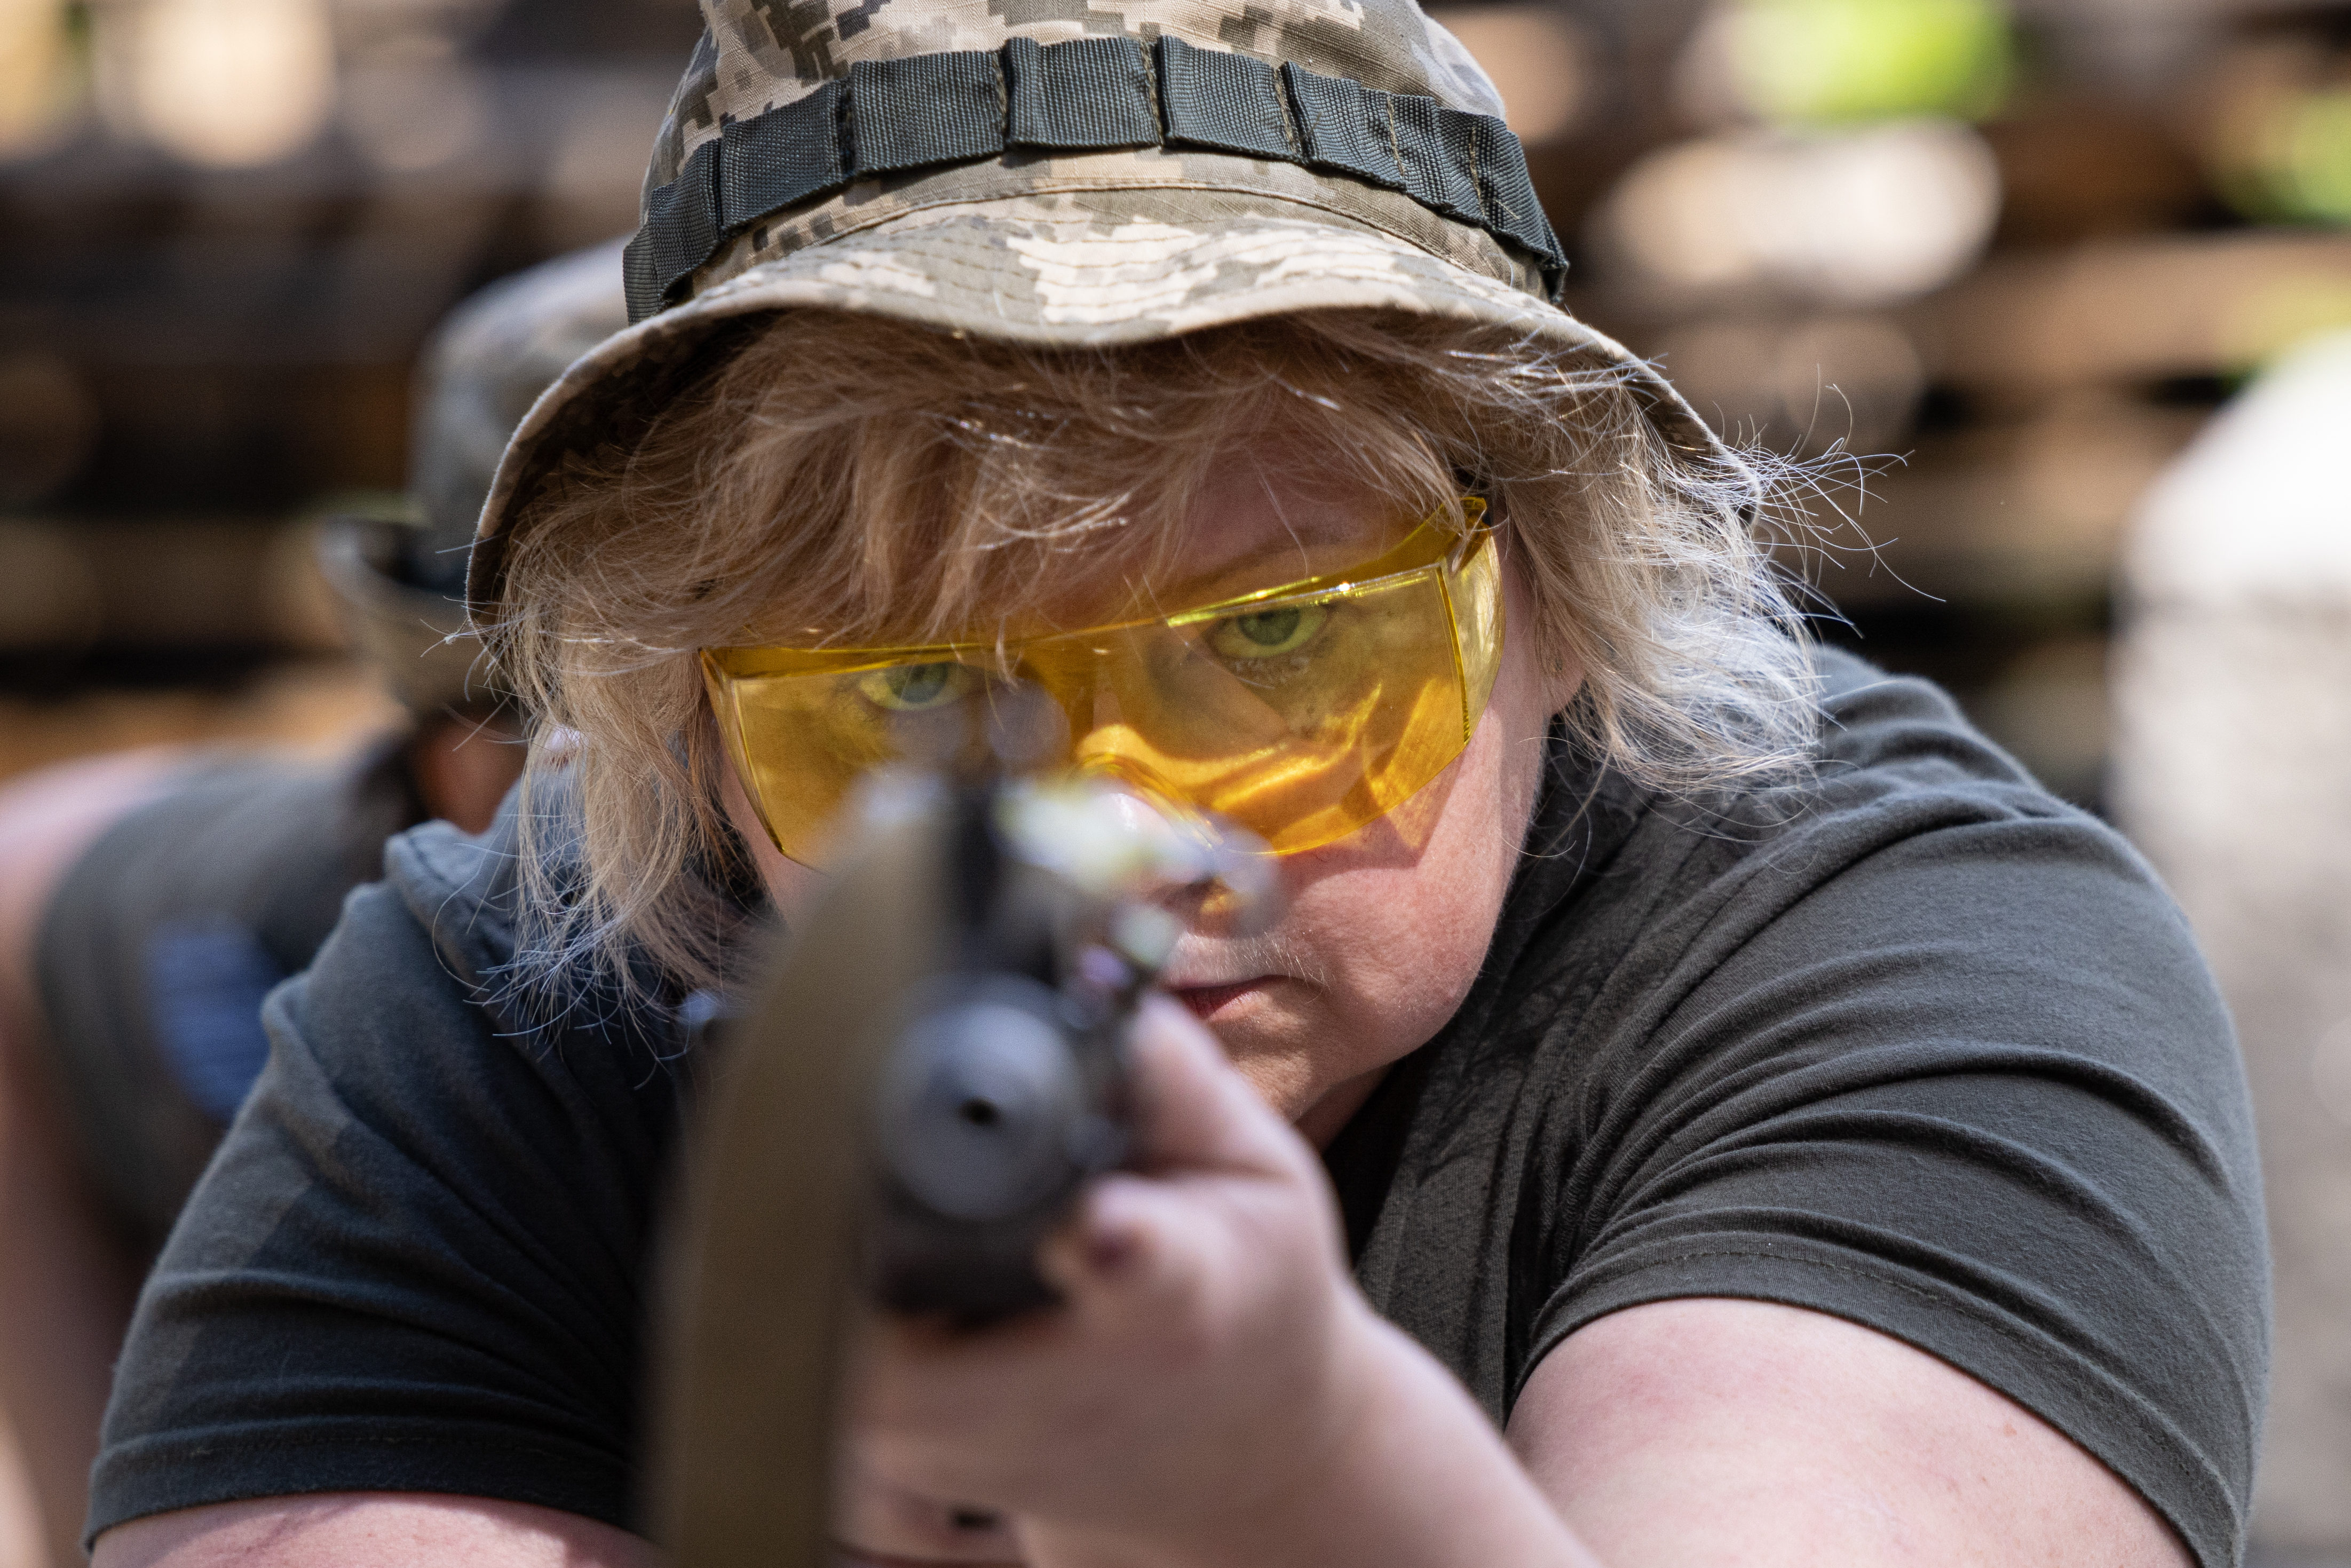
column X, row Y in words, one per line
column 1255, row 521
column 1254, row 514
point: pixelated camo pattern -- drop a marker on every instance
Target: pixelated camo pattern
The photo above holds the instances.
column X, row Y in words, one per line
column 1097, row 247
column 1115, row 192
column 1076, row 267
column 758, row 55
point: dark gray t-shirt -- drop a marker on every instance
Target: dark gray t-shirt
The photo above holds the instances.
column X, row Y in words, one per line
column 1923, row 1049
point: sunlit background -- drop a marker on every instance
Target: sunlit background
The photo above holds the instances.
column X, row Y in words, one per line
column 1987, row 267
column 225, row 226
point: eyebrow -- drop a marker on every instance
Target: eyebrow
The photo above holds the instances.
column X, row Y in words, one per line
column 1255, row 571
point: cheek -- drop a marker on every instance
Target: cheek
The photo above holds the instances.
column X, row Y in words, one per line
column 1397, row 950
column 790, row 884
column 1400, row 936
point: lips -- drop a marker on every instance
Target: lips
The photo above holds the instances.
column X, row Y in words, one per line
column 1207, row 1001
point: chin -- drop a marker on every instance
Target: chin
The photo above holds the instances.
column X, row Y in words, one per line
column 1262, row 1038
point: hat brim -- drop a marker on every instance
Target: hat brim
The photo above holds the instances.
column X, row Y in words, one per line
column 1032, row 271
column 412, row 637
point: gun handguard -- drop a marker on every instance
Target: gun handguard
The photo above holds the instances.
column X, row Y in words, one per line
column 1007, row 1087
column 908, row 1105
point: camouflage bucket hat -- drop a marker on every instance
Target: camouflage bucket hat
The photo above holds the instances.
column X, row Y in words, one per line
column 401, row 576
column 1060, row 172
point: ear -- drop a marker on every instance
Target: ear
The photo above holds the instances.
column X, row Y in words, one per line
column 1553, row 673
column 1562, row 678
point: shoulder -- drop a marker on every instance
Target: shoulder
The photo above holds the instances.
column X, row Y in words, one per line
column 217, row 832
column 1895, row 757
column 267, row 843
column 442, row 937
column 1904, row 809
column 462, row 891
column 1907, row 809
column 1920, row 889
column 1888, row 739
column 1918, row 1045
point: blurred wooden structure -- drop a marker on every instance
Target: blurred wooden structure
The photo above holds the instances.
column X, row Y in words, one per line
column 202, row 334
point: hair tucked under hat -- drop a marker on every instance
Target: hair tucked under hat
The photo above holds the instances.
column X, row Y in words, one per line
column 861, row 480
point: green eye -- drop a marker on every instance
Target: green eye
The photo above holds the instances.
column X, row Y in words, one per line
column 912, row 689
column 1270, row 633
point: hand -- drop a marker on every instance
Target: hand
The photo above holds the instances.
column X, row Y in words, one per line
column 1205, row 1358
column 878, row 1525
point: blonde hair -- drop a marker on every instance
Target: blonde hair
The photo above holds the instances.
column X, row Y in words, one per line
column 847, row 479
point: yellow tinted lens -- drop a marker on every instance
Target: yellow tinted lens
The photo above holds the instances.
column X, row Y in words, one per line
column 801, row 742
column 1473, row 592
column 1265, row 634
column 1303, row 717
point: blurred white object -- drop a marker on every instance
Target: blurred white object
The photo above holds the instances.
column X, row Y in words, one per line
column 1115, row 841
column 1867, row 217
column 224, row 84
column 2260, row 506
column 2233, row 770
column 1538, row 60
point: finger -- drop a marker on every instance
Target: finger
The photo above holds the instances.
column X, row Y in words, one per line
column 1136, row 1240
column 1196, row 1111
column 876, row 1519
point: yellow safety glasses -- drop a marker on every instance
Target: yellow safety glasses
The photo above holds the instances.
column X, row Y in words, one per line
column 1301, row 712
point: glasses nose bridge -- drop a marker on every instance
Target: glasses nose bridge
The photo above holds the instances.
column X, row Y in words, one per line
column 1070, row 671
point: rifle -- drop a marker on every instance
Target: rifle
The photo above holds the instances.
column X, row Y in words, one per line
column 918, row 1092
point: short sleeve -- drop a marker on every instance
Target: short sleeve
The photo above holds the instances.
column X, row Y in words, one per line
column 1970, row 1087
column 415, row 1264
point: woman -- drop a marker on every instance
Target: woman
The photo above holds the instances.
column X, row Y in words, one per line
column 1742, row 1137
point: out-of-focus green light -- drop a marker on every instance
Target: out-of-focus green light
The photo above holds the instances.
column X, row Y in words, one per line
column 2288, row 158
column 2276, row 316
column 1839, row 62
column 2314, row 172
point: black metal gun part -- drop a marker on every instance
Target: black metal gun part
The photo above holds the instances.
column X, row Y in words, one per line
column 1005, row 1090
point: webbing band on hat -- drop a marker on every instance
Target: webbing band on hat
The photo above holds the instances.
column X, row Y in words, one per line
column 925, row 111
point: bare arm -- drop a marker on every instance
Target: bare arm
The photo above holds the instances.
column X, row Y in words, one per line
column 1698, row 1432
column 1218, row 1394
column 370, row 1530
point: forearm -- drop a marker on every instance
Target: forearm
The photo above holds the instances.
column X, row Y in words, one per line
column 1410, row 1474
column 370, row 1530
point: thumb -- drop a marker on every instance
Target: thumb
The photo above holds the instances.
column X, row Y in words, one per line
column 1152, row 1232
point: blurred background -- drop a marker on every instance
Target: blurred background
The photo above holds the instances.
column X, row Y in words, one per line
column 225, row 228
column 2015, row 255
column 1990, row 266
